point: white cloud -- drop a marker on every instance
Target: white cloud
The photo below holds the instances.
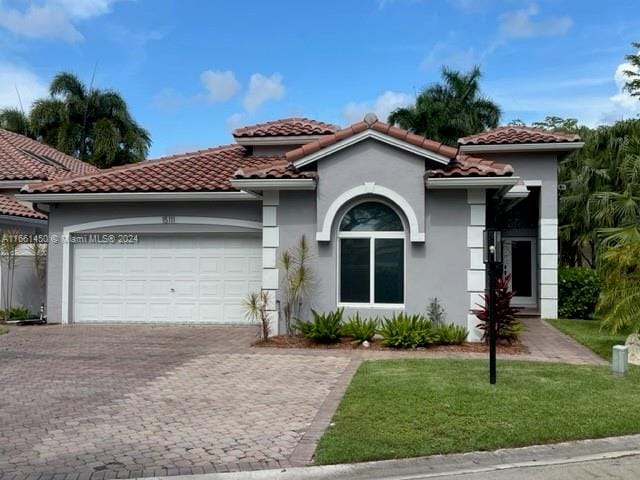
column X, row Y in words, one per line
column 234, row 121
column 623, row 99
column 29, row 85
column 443, row 54
column 262, row 89
column 382, row 106
column 521, row 24
column 51, row 18
column 220, row 85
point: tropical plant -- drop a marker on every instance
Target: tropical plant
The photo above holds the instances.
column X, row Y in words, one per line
column 360, row 329
column 9, row 245
column 436, row 312
column 632, row 85
column 508, row 327
column 619, row 305
column 447, row 111
column 407, row 331
column 256, row 310
column 15, row 313
column 324, row 328
column 297, row 282
column 451, row 334
column 578, row 291
column 39, row 255
column 89, row 123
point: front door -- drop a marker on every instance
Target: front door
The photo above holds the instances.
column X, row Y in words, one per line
column 520, row 261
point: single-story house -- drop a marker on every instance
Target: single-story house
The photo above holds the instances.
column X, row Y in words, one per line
column 394, row 219
column 23, row 161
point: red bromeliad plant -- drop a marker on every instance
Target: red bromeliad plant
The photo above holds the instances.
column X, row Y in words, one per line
column 508, row 326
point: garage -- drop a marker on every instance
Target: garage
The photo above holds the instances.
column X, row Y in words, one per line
column 192, row 278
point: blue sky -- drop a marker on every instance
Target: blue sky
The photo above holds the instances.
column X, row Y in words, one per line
column 192, row 70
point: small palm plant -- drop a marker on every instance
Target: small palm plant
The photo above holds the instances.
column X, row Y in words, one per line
column 297, row 282
column 256, row 305
column 508, row 327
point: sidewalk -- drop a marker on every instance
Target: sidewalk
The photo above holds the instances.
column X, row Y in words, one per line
column 442, row 466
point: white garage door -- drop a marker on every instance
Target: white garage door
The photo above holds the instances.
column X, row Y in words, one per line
column 198, row 279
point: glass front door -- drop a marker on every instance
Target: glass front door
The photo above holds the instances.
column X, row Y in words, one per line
column 520, row 262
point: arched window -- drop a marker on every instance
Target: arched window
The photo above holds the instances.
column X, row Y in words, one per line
column 371, row 242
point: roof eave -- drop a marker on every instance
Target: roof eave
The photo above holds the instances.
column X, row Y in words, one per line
column 441, row 183
column 522, row 147
column 65, row 197
column 261, row 184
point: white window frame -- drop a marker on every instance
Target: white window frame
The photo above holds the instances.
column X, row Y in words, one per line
column 372, row 236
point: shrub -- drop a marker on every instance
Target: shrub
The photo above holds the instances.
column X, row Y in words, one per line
column 255, row 306
column 578, row 292
column 324, row 328
column 508, row 326
column 360, row 329
column 407, row 331
column 15, row 313
column 451, row 334
column 435, row 312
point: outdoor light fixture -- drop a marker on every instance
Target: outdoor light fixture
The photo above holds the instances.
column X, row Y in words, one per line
column 493, row 262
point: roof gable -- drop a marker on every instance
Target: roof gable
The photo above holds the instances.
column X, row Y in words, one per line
column 371, row 127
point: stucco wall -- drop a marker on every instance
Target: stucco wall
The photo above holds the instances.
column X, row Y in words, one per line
column 62, row 215
column 435, row 268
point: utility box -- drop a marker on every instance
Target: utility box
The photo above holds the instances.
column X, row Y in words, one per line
column 620, row 359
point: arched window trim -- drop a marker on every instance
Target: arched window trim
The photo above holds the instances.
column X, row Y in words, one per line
column 372, row 236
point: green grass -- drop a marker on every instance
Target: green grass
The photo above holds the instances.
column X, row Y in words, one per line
column 415, row 407
column 588, row 333
column 3, row 330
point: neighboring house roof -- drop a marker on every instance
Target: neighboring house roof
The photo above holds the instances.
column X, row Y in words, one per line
column 204, row 170
column 517, row 135
column 286, row 127
column 22, row 158
column 10, row 206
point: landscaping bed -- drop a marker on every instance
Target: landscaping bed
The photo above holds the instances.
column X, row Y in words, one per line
column 413, row 407
column 345, row 343
column 589, row 334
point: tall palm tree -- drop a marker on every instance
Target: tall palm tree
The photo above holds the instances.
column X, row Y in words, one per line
column 449, row 110
column 92, row 124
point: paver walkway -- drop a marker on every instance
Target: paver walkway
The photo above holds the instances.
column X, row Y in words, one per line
column 98, row 402
column 105, row 402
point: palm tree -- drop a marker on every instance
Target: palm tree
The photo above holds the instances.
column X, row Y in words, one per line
column 450, row 110
column 92, row 124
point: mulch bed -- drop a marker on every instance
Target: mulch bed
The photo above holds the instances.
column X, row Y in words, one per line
column 283, row 341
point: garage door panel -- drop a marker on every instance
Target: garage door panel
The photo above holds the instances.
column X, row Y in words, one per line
column 166, row 279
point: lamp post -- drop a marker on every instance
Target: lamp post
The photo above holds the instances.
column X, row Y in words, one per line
column 493, row 260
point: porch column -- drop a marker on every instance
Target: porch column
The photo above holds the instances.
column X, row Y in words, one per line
column 476, row 276
column 548, row 267
column 270, row 244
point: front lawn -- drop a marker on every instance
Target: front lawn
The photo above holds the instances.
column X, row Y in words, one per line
column 415, row 407
column 588, row 333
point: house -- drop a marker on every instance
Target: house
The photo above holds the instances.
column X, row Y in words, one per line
column 22, row 161
column 394, row 220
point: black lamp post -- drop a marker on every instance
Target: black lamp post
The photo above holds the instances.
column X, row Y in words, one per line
column 493, row 261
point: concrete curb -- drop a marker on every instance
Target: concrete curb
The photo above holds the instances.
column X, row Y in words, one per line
column 439, row 466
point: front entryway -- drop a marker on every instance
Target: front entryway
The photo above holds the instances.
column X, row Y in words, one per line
column 520, row 261
column 197, row 278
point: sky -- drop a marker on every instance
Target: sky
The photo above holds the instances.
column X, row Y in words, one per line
column 192, row 70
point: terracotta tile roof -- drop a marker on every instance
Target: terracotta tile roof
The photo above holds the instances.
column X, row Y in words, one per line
column 513, row 134
column 204, row 170
column 10, row 206
column 468, row 166
column 281, row 169
column 372, row 122
column 286, row 127
column 22, row 158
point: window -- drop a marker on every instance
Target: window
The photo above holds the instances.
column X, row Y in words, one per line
column 371, row 242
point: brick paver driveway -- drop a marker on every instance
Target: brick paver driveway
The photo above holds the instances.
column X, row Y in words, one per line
column 105, row 402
